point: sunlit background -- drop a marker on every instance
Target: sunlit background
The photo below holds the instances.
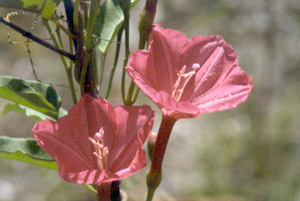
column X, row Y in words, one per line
column 248, row 153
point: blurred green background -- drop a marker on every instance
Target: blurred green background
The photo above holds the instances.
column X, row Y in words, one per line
column 243, row 154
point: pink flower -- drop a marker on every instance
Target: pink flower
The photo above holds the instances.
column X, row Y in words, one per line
column 186, row 78
column 97, row 142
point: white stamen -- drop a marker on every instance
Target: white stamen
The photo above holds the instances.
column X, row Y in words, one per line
column 100, row 150
column 181, row 75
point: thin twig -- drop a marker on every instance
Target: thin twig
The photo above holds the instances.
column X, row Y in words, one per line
column 36, row 39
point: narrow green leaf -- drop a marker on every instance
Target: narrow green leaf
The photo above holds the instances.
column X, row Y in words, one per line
column 26, row 150
column 108, row 23
column 44, row 8
column 32, row 94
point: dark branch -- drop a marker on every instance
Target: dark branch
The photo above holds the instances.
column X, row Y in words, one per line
column 69, row 12
column 37, row 40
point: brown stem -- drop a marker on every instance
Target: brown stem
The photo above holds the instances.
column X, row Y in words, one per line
column 163, row 136
column 103, row 191
column 154, row 174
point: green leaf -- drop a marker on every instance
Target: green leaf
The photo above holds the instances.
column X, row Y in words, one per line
column 26, row 111
column 108, row 23
column 32, row 94
column 9, row 107
column 26, row 150
column 44, row 8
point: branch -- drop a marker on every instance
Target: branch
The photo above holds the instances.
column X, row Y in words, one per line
column 37, row 40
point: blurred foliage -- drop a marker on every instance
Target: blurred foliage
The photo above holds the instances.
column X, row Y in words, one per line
column 244, row 154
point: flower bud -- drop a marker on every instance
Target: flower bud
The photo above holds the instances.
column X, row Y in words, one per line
column 151, row 144
column 146, row 20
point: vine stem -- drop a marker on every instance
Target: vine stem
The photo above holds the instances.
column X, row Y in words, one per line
column 94, row 8
column 145, row 26
column 118, row 45
column 68, row 68
column 101, row 72
column 126, row 11
column 104, row 191
column 91, row 188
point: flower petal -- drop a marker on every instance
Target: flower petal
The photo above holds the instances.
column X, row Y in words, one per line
column 134, row 126
column 218, row 84
column 67, row 140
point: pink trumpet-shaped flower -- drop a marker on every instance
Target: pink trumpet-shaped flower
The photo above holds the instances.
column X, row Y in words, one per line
column 186, row 78
column 97, row 142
